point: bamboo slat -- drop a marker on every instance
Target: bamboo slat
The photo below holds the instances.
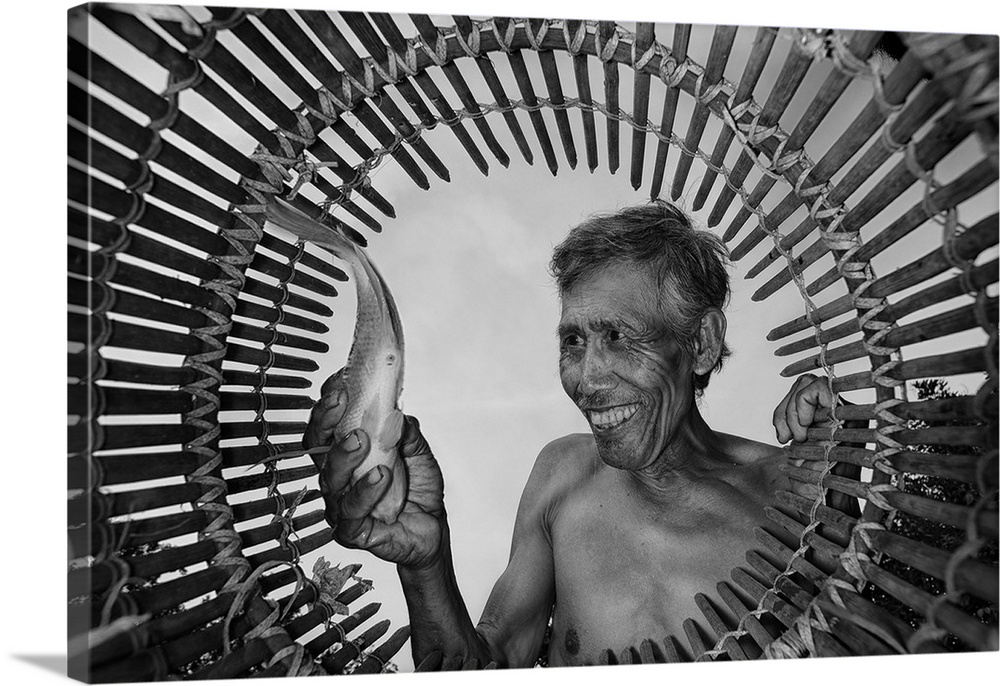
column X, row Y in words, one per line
column 682, row 36
column 792, row 73
column 901, row 130
column 605, row 31
column 975, row 633
column 397, row 43
column 978, row 277
column 352, row 650
column 966, row 246
column 969, row 575
column 338, row 632
column 903, row 78
column 369, row 38
column 486, row 68
column 581, row 73
column 967, row 186
column 553, row 84
column 957, row 516
column 694, row 638
column 644, row 39
column 331, row 37
column 862, row 45
column 523, row 79
column 765, row 597
column 377, row 659
column 379, row 52
column 718, row 56
column 284, row 28
column 751, row 624
column 946, row 364
column 731, row 645
column 762, row 44
column 944, row 324
column 146, row 41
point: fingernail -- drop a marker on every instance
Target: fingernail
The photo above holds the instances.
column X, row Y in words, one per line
column 333, row 400
column 374, row 476
column 351, row 443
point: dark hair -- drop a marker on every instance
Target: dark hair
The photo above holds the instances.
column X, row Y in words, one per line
column 689, row 264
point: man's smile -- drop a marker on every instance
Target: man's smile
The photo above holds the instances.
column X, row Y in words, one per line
column 612, row 417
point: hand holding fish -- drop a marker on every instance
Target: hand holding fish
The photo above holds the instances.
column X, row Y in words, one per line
column 414, row 539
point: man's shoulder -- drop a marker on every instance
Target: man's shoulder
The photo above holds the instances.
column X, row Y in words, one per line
column 747, row 451
column 566, row 461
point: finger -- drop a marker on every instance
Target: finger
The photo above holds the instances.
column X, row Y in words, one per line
column 323, row 419
column 802, row 412
column 413, row 442
column 342, row 460
column 334, row 382
column 358, row 501
column 782, row 429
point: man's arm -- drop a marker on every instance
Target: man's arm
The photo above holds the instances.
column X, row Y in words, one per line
column 513, row 624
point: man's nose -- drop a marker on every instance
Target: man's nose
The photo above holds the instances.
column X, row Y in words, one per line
column 595, row 373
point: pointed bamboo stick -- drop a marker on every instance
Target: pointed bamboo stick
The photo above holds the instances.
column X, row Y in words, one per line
column 645, row 36
column 945, row 137
column 907, row 74
column 523, row 79
column 762, row 44
column 369, row 38
column 966, row 246
column 949, row 514
column 761, row 636
column 291, row 35
column 968, row 185
column 694, row 638
column 390, row 31
column 975, row 633
column 901, row 130
column 335, row 663
column 486, row 68
column 978, row 278
column 682, row 36
column 581, row 72
column 789, row 80
column 255, row 39
column 765, row 597
column 429, row 33
column 605, row 31
column 732, row 646
column 376, row 661
column 937, row 326
column 862, row 45
column 550, row 72
column 718, row 56
column 946, row 364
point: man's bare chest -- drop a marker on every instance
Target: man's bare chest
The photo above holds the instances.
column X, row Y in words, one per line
column 627, row 570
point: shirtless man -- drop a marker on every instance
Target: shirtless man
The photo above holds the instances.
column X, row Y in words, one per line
column 617, row 530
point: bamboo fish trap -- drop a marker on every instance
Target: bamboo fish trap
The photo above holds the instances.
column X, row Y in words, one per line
column 192, row 328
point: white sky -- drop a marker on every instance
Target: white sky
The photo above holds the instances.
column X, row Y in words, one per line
column 35, row 637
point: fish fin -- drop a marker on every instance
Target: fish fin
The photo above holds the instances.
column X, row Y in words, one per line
column 392, row 430
column 298, row 223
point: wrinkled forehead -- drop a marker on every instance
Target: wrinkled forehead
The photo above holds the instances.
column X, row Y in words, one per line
column 618, row 291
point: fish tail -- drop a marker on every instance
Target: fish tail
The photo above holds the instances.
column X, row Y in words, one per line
column 286, row 217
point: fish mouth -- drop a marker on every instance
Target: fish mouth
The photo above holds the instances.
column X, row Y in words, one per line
column 610, row 418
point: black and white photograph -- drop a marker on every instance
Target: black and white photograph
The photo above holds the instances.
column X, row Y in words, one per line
column 440, row 340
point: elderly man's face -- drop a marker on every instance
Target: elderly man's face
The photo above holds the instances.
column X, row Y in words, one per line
column 621, row 366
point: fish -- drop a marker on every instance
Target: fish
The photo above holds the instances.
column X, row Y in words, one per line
column 373, row 375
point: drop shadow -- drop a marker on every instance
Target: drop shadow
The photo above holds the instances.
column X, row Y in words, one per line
column 51, row 663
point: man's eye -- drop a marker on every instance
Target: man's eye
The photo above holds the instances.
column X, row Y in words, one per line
column 615, row 336
column 572, row 341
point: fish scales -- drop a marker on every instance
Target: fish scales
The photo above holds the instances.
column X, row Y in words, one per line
column 373, row 375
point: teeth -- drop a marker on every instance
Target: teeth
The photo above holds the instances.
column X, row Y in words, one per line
column 609, row 419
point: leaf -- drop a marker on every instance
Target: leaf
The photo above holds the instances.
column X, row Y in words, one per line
column 330, row 580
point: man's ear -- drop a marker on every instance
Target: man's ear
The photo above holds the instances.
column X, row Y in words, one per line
column 711, row 336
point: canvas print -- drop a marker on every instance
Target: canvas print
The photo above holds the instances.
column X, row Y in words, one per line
column 429, row 343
